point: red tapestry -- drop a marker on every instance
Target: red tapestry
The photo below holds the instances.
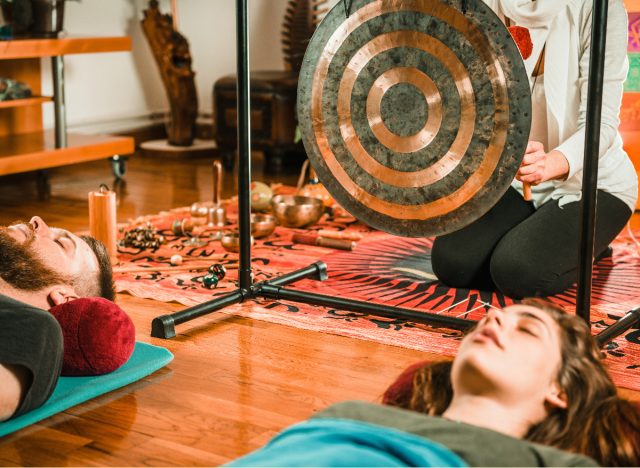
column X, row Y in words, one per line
column 382, row 268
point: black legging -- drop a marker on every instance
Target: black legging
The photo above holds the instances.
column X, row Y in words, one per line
column 521, row 251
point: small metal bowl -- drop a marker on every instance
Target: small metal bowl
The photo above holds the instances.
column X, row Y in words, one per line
column 262, row 225
column 231, row 241
column 295, row 211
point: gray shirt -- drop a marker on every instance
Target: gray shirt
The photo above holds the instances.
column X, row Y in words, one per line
column 475, row 445
column 32, row 338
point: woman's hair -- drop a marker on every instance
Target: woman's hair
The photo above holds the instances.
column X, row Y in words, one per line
column 596, row 422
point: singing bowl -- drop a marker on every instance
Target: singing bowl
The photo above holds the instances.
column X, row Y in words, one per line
column 262, row 225
column 296, row 211
column 231, row 241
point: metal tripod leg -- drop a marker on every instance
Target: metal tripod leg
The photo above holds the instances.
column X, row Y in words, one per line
column 630, row 320
column 164, row 326
column 276, row 292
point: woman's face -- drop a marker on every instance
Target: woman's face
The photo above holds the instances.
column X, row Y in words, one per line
column 513, row 354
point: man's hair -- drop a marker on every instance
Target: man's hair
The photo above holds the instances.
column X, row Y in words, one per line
column 105, row 286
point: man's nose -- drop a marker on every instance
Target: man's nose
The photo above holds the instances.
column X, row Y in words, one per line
column 39, row 226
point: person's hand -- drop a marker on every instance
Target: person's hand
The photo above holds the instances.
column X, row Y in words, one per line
column 538, row 166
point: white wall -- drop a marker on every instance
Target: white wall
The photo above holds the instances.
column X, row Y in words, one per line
column 109, row 87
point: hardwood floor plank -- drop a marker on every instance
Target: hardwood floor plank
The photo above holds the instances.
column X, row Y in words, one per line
column 43, row 445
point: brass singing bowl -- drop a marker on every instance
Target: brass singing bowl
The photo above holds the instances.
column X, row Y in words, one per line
column 231, row 241
column 262, row 225
column 295, row 211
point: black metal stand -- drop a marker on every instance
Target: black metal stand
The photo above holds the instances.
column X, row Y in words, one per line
column 590, row 178
column 164, row 325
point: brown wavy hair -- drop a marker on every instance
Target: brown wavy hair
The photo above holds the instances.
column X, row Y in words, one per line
column 596, row 422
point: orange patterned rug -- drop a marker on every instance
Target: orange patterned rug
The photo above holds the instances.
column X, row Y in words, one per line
column 382, row 268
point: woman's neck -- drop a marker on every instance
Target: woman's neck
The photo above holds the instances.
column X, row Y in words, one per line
column 489, row 413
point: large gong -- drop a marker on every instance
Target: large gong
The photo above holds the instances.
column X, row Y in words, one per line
column 414, row 113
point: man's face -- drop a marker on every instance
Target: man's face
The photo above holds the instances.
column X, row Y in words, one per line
column 35, row 256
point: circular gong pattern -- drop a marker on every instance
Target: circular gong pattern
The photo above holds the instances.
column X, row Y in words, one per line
column 402, row 107
column 416, row 113
column 404, row 110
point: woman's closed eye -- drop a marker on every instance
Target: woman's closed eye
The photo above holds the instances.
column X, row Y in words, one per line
column 529, row 327
column 528, row 331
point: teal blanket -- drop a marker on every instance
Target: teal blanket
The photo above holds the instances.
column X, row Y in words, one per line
column 71, row 391
column 343, row 442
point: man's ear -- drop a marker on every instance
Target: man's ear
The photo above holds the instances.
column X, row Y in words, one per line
column 556, row 397
column 61, row 294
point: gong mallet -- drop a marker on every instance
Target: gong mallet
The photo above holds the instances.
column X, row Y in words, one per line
column 311, row 239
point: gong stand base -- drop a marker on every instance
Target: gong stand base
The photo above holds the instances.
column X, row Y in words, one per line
column 630, row 320
column 163, row 326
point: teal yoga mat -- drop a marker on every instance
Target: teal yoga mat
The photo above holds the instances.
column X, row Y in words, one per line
column 71, row 391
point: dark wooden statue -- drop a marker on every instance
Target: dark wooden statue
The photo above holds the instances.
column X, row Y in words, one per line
column 171, row 51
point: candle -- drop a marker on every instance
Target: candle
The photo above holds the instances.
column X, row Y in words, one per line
column 102, row 219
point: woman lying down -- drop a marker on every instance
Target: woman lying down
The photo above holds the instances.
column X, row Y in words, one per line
column 527, row 388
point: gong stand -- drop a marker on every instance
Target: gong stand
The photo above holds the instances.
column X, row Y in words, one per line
column 163, row 326
column 590, row 180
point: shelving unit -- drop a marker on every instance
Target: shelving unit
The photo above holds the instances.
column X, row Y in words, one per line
column 33, row 100
column 24, row 144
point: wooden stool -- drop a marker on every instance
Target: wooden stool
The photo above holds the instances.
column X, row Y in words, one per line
column 273, row 117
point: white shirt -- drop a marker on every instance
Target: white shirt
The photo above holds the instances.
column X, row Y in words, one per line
column 564, row 92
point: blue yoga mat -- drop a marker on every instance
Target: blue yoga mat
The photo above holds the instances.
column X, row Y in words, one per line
column 71, row 391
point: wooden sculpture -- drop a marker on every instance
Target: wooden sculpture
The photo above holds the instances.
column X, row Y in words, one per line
column 171, row 52
column 300, row 21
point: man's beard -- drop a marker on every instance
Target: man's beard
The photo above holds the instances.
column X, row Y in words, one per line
column 21, row 267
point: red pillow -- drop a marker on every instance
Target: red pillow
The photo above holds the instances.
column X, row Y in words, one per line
column 98, row 336
column 399, row 392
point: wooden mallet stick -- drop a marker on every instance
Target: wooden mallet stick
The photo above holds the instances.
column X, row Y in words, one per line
column 345, row 235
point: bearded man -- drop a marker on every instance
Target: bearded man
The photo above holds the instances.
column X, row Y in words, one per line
column 41, row 267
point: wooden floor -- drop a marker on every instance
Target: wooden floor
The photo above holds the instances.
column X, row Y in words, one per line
column 233, row 383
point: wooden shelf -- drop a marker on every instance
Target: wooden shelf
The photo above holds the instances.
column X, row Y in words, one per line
column 33, row 100
column 33, row 151
column 29, row 48
column 24, row 145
